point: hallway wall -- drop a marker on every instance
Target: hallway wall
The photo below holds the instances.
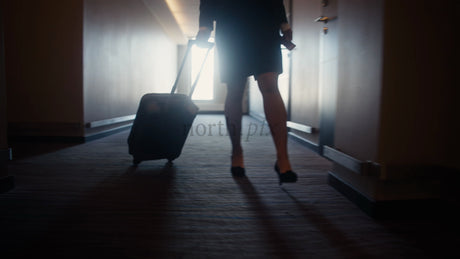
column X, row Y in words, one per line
column 396, row 86
column 3, row 114
column 395, row 126
column 44, row 67
column 126, row 54
column 359, row 78
column 305, row 58
column 419, row 85
column 78, row 61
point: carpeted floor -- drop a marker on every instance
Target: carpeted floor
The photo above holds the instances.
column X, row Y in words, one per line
column 87, row 201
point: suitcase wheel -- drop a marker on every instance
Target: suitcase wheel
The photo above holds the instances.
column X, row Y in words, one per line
column 169, row 163
column 136, row 162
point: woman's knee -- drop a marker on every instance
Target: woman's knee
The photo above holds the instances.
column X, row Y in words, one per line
column 268, row 82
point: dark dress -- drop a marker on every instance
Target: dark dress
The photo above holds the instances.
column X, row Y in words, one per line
column 247, row 35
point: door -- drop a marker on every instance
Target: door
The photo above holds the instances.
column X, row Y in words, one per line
column 328, row 72
column 313, row 88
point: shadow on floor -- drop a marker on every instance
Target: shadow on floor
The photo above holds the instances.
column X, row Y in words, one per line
column 125, row 216
column 275, row 239
column 336, row 237
column 281, row 240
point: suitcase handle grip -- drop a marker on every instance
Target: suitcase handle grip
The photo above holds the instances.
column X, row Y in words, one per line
column 209, row 46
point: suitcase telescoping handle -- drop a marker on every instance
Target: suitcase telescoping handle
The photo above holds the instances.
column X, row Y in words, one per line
column 209, row 46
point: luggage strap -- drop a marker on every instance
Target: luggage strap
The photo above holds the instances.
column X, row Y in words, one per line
column 190, row 44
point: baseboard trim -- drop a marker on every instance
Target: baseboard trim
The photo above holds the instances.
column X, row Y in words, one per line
column 106, row 133
column 56, row 139
column 68, row 129
column 6, row 184
column 210, row 112
column 112, row 121
column 307, row 143
column 90, row 135
column 301, row 127
column 420, row 208
column 362, row 201
column 72, row 139
column 351, row 163
column 6, row 155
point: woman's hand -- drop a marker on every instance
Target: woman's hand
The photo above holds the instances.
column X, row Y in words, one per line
column 287, row 35
column 286, row 31
column 286, row 38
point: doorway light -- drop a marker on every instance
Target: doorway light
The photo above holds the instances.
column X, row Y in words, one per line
column 204, row 90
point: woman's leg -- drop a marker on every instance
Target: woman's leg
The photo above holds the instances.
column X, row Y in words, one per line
column 233, row 115
column 275, row 113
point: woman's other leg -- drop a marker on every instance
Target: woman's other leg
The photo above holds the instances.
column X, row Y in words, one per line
column 233, row 115
column 276, row 115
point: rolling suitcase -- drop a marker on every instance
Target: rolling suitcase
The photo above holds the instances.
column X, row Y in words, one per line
column 163, row 121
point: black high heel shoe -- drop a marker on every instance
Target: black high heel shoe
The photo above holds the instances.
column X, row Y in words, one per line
column 238, row 171
column 288, row 177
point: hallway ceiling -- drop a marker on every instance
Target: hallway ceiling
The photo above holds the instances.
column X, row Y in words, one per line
column 179, row 18
column 186, row 13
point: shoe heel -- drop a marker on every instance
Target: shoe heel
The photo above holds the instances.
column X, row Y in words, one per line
column 288, row 177
column 238, row 171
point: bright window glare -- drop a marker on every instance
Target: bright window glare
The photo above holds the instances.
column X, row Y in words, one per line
column 205, row 87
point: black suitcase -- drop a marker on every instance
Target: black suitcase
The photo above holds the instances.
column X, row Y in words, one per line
column 163, row 122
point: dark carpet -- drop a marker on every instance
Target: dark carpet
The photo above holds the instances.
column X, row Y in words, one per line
column 87, row 201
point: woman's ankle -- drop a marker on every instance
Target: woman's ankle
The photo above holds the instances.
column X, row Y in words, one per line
column 237, row 158
column 284, row 165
